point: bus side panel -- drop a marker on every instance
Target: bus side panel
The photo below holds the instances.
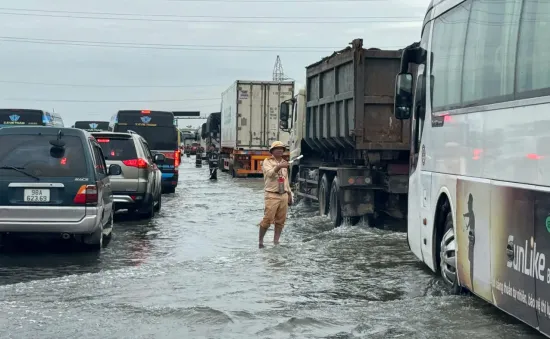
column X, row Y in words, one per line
column 542, row 270
column 473, row 235
column 512, row 225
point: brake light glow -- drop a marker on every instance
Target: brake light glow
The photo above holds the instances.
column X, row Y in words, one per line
column 63, row 161
column 146, row 111
column 139, row 163
column 534, row 156
column 177, row 158
column 103, row 140
column 86, row 195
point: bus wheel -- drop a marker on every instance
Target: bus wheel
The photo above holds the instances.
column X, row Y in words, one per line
column 448, row 260
column 334, row 204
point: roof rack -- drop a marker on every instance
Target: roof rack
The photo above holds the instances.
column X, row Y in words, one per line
column 131, row 132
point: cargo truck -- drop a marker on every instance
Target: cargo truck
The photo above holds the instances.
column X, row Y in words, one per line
column 355, row 153
column 250, row 123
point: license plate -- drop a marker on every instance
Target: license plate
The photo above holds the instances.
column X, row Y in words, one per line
column 37, row 195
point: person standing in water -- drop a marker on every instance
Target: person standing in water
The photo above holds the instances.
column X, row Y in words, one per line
column 277, row 195
column 471, row 227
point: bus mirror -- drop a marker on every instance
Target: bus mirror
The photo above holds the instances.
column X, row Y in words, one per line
column 403, row 96
column 284, row 112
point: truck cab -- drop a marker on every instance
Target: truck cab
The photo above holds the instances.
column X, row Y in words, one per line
column 293, row 121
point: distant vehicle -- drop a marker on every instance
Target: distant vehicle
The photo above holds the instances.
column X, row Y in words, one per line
column 92, row 126
column 139, row 186
column 249, row 124
column 157, row 127
column 12, row 117
column 64, row 188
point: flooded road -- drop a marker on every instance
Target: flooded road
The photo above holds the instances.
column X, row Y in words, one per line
column 195, row 271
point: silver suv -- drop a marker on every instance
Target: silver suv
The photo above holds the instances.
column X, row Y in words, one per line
column 138, row 187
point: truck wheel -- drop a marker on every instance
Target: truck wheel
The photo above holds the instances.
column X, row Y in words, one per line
column 335, row 208
column 324, row 191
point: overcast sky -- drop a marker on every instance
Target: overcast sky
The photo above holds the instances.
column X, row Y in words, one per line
column 71, row 76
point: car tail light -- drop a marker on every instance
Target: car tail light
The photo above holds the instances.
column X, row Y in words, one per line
column 103, row 140
column 177, row 158
column 139, row 163
column 87, row 194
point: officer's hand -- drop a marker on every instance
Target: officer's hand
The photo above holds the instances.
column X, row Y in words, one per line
column 283, row 164
column 290, row 201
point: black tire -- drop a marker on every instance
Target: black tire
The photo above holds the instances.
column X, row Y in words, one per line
column 324, row 195
column 149, row 211
column 169, row 190
column 376, row 220
column 335, row 212
column 159, row 203
column 109, row 226
column 453, row 288
column 94, row 241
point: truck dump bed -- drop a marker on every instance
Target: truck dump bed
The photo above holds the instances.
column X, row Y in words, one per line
column 350, row 101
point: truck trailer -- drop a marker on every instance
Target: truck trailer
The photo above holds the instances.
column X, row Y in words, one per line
column 250, row 123
column 355, row 153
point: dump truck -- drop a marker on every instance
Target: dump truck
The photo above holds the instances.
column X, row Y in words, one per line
column 354, row 153
column 250, row 123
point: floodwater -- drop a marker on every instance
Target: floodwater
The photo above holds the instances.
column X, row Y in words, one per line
column 195, row 271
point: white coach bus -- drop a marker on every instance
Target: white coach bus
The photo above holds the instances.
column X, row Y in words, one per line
column 479, row 187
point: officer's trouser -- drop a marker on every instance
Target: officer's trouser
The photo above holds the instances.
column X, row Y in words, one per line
column 276, row 206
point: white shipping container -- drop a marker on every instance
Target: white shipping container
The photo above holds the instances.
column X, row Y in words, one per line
column 250, row 114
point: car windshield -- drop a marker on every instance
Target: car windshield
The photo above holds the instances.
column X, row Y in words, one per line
column 117, row 149
column 35, row 155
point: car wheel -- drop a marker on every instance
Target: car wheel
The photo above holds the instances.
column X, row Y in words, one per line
column 108, row 229
column 159, row 203
column 94, row 241
column 149, row 211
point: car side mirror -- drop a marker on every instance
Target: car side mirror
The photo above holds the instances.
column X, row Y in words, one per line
column 157, row 158
column 403, row 96
column 115, row 170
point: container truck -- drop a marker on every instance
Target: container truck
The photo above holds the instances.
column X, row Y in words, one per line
column 355, row 153
column 250, row 123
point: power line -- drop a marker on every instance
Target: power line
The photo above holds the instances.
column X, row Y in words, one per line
column 276, row 1
column 210, row 16
column 263, row 21
column 71, row 100
column 234, row 48
column 105, row 85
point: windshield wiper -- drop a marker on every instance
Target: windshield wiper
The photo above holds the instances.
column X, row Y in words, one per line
column 20, row 170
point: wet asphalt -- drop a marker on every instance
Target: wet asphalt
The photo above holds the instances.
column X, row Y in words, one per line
column 194, row 271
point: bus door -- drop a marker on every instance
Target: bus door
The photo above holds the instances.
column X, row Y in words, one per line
column 419, row 182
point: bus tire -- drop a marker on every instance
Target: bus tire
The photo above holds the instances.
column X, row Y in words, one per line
column 448, row 259
column 324, row 195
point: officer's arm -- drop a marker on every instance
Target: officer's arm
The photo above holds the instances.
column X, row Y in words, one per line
column 270, row 171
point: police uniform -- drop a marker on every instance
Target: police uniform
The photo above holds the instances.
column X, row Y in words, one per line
column 276, row 202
